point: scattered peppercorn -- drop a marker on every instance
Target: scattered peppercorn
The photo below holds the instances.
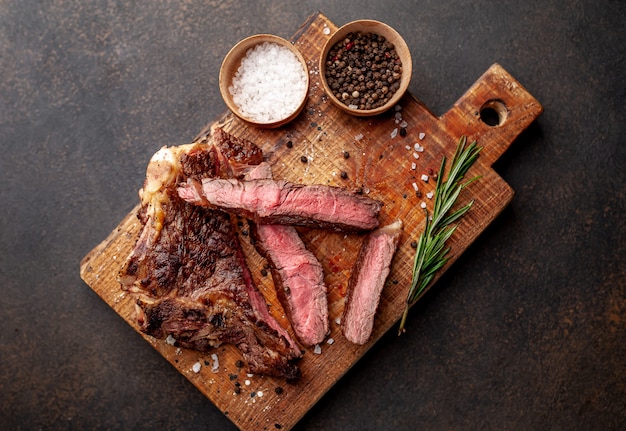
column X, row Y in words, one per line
column 239, row 364
column 278, row 426
column 403, row 131
column 278, row 390
column 304, row 159
column 264, row 272
column 346, row 155
column 344, row 174
column 363, row 70
column 413, row 244
column 289, row 144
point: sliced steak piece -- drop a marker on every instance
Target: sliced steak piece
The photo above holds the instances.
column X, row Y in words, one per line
column 280, row 202
column 297, row 274
column 367, row 281
column 187, row 271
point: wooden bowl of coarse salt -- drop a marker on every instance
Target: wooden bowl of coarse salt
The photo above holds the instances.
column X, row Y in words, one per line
column 365, row 67
column 264, row 80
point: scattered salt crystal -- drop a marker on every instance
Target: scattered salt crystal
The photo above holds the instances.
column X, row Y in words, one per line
column 415, row 187
column 338, row 320
column 326, row 30
column 196, row 367
column 413, row 166
column 394, row 132
column 259, row 394
column 247, row 383
column 416, row 156
column 408, row 147
column 358, row 137
column 429, row 195
column 170, row 340
column 330, row 340
column 397, row 108
column 398, row 116
column 269, row 84
column 404, row 124
column 250, row 375
column 423, row 205
column 418, row 147
column 424, row 178
column 422, row 135
column 216, row 363
column 317, row 349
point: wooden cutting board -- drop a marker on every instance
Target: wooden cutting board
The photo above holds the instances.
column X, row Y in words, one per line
column 379, row 163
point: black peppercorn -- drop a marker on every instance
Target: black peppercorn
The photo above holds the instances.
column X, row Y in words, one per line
column 304, row 159
column 353, row 65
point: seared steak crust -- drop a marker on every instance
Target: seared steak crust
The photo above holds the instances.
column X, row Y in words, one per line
column 187, row 271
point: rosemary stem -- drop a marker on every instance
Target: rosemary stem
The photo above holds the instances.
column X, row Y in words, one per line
column 431, row 254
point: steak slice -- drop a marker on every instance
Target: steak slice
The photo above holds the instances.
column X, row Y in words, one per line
column 297, row 274
column 270, row 201
column 187, row 271
column 367, row 281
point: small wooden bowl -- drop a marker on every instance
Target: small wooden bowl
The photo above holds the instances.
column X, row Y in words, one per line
column 231, row 64
column 376, row 27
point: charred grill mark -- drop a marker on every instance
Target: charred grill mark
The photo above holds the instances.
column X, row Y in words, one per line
column 190, row 280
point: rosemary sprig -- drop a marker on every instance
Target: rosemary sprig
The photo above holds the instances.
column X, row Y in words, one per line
column 431, row 253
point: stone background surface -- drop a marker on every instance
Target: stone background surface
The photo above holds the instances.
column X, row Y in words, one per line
column 526, row 331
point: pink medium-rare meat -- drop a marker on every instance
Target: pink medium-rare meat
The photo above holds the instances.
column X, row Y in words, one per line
column 367, row 281
column 187, row 272
column 270, row 201
column 297, row 274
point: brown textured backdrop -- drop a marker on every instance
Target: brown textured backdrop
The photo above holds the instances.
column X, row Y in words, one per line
column 526, row 331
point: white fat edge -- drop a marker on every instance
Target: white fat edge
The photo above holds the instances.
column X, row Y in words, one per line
column 161, row 172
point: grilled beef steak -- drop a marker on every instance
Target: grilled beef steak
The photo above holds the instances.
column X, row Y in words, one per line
column 187, row 271
column 280, row 202
column 297, row 274
column 367, row 281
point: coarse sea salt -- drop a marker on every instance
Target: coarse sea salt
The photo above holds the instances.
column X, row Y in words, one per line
column 270, row 83
column 216, row 363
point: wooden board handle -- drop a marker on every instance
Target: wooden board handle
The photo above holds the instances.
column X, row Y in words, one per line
column 494, row 111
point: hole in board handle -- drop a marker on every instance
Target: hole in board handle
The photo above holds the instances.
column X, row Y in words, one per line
column 493, row 113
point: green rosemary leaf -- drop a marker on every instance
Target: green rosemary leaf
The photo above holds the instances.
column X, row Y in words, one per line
column 431, row 254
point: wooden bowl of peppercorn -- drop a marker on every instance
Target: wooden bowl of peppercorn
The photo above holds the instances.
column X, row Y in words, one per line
column 365, row 67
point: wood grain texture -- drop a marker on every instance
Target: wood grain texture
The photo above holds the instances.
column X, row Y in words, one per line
column 380, row 165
